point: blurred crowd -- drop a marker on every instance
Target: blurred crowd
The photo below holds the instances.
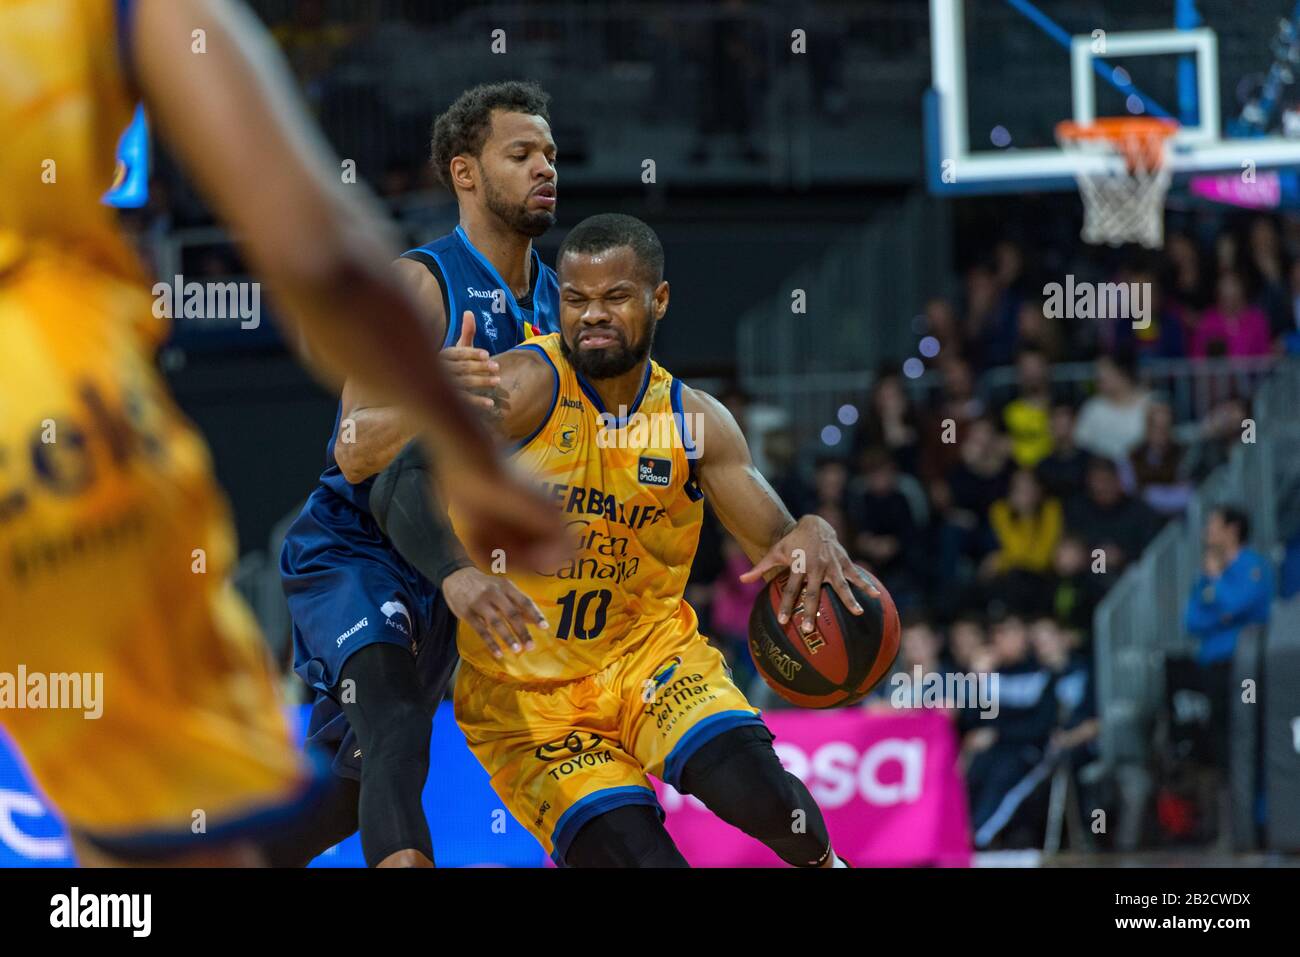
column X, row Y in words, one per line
column 997, row 498
column 998, row 519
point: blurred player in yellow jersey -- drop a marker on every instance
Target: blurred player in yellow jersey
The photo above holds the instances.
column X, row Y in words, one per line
column 115, row 542
column 620, row 683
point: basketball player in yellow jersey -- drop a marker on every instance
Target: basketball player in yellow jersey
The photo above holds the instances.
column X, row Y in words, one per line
column 132, row 679
column 621, row 684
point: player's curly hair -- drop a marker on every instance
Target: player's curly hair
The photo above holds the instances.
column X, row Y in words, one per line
column 464, row 127
column 605, row 231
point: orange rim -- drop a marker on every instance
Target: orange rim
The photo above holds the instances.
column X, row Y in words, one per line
column 1139, row 139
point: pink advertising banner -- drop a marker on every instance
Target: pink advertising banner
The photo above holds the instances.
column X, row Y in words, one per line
column 887, row 782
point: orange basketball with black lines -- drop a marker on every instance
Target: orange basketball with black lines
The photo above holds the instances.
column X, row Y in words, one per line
column 840, row 660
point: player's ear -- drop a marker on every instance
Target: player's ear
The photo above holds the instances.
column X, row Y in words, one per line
column 661, row 299
column 463, row 174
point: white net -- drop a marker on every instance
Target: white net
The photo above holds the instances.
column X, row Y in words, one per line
column 1125, row 202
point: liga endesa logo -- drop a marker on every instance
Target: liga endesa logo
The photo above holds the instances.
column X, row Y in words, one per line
column 889, row 772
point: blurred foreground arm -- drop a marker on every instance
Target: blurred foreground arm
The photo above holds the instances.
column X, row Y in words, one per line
column 222, row 98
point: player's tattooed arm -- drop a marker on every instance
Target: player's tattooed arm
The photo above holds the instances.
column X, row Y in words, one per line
column 755, row 516
column 527, row 389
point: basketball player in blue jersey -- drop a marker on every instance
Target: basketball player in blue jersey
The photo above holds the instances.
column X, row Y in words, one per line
column 374, row 638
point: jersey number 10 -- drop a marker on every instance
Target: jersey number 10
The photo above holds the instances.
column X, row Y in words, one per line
column 576, row 620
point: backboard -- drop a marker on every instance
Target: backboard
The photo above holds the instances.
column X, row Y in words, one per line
column 1004, row 72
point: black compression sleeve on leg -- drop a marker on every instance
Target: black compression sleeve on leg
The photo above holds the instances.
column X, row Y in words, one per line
column 401, row 502
column 393, row 727
column 739, row 778
column 334, row 819
column 628, row 836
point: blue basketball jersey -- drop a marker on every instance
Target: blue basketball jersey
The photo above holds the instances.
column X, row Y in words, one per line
column 468, row 281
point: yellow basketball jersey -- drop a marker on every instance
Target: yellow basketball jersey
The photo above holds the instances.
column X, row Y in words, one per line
column 624, row 482
column 103, row 519
column 65, row 100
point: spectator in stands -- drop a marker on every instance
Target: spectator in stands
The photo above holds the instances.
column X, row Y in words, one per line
column 891, row 421
column 919, row 648
column 1108, row 519
column 1026, row 526
column 980, row 301
column 1162, row 337
column 1232, row 326
column 962, row 501
column 1057, row 650
column 1036, row 331
column 1186, row 279
column 1226, row 250
column 732, row 601
column 830, row 481
column 1074, row 739
column 983, row 472
column 941, row 322
column 1235, row 588
column 993, row 299
column 966, row 638
column 1026, row 418
column 1112, row 422
column 945, row 425
column 783, row 472
column 1266, row 271
column 1075, row 590
column 706, row 569
column 886, row 529
column 1216, row 434
column 1154, row 470
column 1062, row 470
column 1004, row 750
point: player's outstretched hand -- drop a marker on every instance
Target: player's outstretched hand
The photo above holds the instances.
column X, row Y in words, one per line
column 815, row 557
column 473, row 371
column 493, row 607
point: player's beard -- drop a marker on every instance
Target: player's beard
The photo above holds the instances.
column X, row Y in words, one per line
column 609, row 362
column 516, row 215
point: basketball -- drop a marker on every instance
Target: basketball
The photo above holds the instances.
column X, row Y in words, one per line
column 837, row 663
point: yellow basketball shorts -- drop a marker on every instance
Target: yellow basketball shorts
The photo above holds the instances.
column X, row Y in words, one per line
column 132, row 677
column 561, row 753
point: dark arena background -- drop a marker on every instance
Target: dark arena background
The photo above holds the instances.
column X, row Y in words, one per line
column 1068, row 445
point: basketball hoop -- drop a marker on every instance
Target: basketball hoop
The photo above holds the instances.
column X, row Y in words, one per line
column 1123, row 205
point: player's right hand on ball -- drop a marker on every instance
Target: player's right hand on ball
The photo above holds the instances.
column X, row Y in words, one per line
column 494, row 608
column 473, row 371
